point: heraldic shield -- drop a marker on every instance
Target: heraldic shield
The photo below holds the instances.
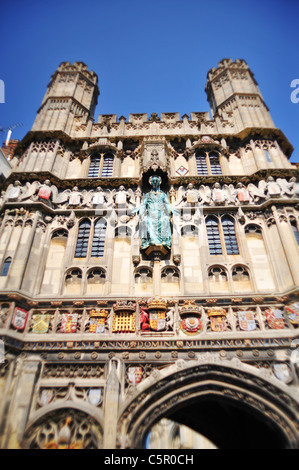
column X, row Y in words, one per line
column 190, row 318
column 40, row 323
column 217, row 317
column 97, row 322
column 95, row 396
column 157, row 313
column 19, row 318
column 275, row 318
column 246, row 320
column 44, row 192
column 135, row 374
column 293, row 313
column 69, row 323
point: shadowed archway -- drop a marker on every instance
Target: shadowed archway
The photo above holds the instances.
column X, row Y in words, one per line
column 234, row 405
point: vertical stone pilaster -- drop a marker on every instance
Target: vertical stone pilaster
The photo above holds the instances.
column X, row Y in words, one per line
column 111, row 407
column 286, row 241
column 25, row 376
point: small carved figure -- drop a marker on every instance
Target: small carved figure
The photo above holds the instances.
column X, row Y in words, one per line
column 13, row 191
column 272, row 188
column 144, row 319
column 99, row 197
column 258, row 193
column 218, row 195
column 122, row 197
column 170, row 319
column 242, row 194
column 288, row 189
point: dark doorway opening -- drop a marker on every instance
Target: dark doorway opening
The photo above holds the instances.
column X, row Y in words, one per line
column 229, row 425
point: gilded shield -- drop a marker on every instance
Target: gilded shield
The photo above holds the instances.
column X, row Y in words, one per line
column 218, row 324
column 40, row 323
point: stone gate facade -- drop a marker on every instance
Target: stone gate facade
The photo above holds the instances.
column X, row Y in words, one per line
column 101, row 338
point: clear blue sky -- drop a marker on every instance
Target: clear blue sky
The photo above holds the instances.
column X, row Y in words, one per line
column 150, row 56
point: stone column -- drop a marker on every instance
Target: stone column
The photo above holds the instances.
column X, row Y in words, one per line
column 25, row 376
column 289, row 245
column 111, row 407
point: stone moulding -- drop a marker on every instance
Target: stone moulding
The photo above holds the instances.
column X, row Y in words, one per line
column 185, row 381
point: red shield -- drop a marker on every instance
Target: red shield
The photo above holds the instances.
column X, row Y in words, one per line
column 135, row 374
column 44, row 192
column 243, row 195
column 275, row 318
column 69, row 323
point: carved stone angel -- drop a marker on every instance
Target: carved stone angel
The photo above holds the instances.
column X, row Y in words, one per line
column 45, row 191
column 30, row 191
column 122, row 197
column 242, row 194
column 99, row 197
column 288, row 188
column 294, row 186
column 272, row 188
column 229, row 193
column 75, row 197
column 13, row 191
column 170, row 319
column 218, row 194
column 205, row 194
column 188, row 197
column 258, row 193
column 60, row 198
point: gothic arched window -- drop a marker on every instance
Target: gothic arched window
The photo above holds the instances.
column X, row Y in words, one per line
column 101, row 165
column 215, row 164
column 107, row 169
column 229, row 233
column 98, row 241
column 201, row 164
column 214, row 241
column 94, row 166
column 240, row 274
column 96, row 276
column 208, row 163
column 73, row 278
column 6, row 266
column 83, row 238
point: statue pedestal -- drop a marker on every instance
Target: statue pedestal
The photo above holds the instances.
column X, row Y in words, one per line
column 156, row 252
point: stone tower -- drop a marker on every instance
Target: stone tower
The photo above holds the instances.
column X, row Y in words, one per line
column 233, row 94
column 149, row 273
column 70, row 99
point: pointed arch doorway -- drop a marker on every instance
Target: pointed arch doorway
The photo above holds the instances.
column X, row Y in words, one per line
column 230, row 403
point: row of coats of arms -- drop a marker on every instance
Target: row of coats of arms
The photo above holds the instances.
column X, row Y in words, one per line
column 157, row 317
column 189, row 195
